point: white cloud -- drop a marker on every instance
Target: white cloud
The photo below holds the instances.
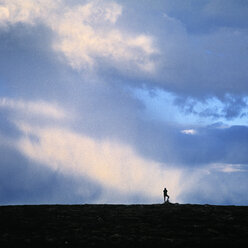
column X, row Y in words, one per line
column 27, row 11
column 85, row 33
column 113, row 165
column 4, row 13
column 189, row 131
column 34, row 108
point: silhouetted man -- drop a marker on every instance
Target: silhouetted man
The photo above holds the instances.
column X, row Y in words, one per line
column 166, row 195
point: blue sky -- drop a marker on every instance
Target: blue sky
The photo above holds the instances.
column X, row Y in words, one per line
column 111, row 101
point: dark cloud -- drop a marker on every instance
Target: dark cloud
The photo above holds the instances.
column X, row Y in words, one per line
column 25, row 182
column 28, row 66
column 207, row 15
column 234, row 107
column 203, row 49
column 213, row 144
column 206, row 66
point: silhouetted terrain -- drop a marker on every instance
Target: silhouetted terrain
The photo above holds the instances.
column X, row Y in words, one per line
column 165, row 225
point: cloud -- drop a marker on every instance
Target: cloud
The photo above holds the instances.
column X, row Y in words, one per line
column 209, row 14
column 26, row 11
column 203, row 51
column 191, row 70
column 228, row 107
column 4, row 13
column 229, row 168
column 121, row 172
column 85, row 33
column 23, row 181
column 96, row 37
column 111, row 164
column 218, row 187
column 212, row 144
column 34, row 108
column 189, row 131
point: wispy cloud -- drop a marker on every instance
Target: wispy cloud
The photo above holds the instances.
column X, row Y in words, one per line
column 34, row 108
column 229, row 168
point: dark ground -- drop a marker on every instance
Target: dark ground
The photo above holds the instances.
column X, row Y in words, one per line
column 165, row 225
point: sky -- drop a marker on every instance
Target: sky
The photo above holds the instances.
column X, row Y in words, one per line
column 111, row 101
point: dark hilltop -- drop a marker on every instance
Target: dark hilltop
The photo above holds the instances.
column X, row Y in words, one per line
column 165, row 225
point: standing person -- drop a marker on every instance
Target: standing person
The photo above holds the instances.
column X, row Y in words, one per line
column 166, row 195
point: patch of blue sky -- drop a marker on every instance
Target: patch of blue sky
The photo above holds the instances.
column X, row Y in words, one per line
column 161, row 105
